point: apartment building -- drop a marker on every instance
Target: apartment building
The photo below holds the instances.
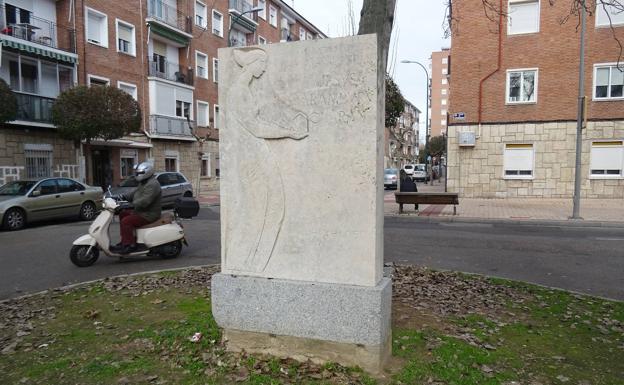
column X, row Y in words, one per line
column 513, row 102
column 162, row 52
column 439, row 92
column 401, row 141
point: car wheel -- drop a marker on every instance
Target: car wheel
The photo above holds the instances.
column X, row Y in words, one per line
column 188, row 194
column 87, row 211
column 14, row 219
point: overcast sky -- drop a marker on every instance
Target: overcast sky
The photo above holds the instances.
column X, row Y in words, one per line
column 418, row 30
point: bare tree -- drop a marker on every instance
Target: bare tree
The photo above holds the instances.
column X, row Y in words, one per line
column 377, row 16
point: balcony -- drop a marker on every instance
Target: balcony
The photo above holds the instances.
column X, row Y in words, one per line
column 238, row 7
column 163, row 69
column 34, row 108
column 33, row 29
column 170, row 128
column 169, row 16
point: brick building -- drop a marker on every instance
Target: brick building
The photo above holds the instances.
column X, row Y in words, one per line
column 162, row 52
column 401, row 141
column 513, row 102
column 439, row 92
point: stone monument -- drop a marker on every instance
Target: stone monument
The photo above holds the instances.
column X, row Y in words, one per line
column 301, row 141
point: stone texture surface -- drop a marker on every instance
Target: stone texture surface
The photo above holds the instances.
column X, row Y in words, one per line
column 478, row 172
column 301, row 160
column 339, row 313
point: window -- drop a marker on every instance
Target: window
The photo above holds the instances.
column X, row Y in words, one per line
column 47, row 187
column 444, row 81
column 607, row 14
column 125, row 38
column 97, row 27
column 201, row 17
column 607, row 159
column 443, row 122
column 444, row 71
column 608, row 82
column 202, row 114
column 302, row 34
column 215, row 116
column 201, row 64
column 521, row 86
column 237, row 38
column 215, row 70
column 68, row 185
column 171, row 164
column 444, row 60
column 261, row 40
column 217, row 23
column 128, row 88
column 443, row 112
column 518, row 161
column 128, row 158
column 262, row 12
column 38, row 160
column 444, row 91
column 444, row 102
column 205, row 166
column 524, row 16
column 183, row 109
column 29, row 75
column 97, row 81
column 273, row 16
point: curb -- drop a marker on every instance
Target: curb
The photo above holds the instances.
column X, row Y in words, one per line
column 575, row 223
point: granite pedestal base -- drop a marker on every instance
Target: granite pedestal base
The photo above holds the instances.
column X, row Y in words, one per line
column 305, row 320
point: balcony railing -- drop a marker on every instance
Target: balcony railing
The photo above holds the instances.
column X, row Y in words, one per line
column 162, row 68
column 168, row 126
column 35, row 29
column 34, row 108
column 169, row 15
column 241, row 6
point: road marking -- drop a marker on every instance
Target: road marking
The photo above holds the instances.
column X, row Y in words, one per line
column 460, row 224
column 609, row 239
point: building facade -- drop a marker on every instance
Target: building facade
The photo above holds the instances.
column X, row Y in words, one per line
column 164, row 53
column 402, row 139
column 514, row 97
column 439, row 92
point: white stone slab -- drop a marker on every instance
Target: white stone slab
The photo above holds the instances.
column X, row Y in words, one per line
column 301, row 161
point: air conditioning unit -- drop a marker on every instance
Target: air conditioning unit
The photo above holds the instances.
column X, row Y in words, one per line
column 467, row 139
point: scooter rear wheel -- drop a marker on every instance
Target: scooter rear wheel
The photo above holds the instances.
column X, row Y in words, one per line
column 170, row 250
column 82, row 257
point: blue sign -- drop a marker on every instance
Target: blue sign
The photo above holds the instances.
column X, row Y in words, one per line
column 459, row 116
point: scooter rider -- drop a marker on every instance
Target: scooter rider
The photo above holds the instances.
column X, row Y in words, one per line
column 147, row 209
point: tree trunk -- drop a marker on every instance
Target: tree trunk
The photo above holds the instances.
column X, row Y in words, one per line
column 377, row 16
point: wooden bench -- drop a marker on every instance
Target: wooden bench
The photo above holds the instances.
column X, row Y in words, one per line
column 416, row 198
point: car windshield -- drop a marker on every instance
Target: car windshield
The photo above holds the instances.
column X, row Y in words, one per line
column 130, row 182
column 409, row 167
column 390, row 171
column 420, row 167
column 16, row 188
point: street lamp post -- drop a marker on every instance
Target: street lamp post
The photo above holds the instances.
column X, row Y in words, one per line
column 232, row 22
column 576, row 208
column 426, row 101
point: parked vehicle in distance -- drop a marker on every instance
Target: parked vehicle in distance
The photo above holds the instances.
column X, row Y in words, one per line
column 391, row 178
column 173, row 185
column 27, row 201
column 409, row 169
column 420, row 172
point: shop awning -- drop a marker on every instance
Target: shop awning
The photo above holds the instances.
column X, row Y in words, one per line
column 121, row 143
column 34, row 49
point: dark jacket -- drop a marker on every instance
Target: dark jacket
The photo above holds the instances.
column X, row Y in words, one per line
column 408, row 185
column 146, row 199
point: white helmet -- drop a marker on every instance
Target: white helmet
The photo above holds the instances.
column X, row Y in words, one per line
column 143, row 171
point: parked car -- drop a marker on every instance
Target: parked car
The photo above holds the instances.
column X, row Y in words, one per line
column 409, row 169
column 173, row 184
column 391, row 178
column 420, row 172
column 28, row 201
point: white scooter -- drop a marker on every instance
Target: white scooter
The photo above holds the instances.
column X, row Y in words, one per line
column 162, row 238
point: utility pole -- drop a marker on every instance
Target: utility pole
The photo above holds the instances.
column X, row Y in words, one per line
column 580, row 118
column 426, row 101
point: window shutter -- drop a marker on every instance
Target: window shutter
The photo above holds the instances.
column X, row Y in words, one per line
column 124, row 32
column 94, row 28
column 160, row 48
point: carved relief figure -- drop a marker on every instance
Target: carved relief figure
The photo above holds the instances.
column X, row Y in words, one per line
column 255, row 119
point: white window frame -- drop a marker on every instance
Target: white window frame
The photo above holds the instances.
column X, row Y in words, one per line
column 104, row 32
column 443, row 112
column 444, row 71
column 518, row 147
column 444, row 81
column 443, row 91
column 207, row 113
column 220, row 30
column 614, row 144
column 262, row 14
column 600, row 11
column 122, row 155
column 534, row 101
column 132, row 43
column 443, row 101
column 206, row 157
column 204, row 16
column 261, row 40
column 172, row 155
column 134, row 94
column 215, row 116
column 215, row 70
column 89, row 77
column 443, row 122
column 197, row 56
column 445, row 60
column 302, row 33
column 510, row 18
column 273, row 11
column 608, row 98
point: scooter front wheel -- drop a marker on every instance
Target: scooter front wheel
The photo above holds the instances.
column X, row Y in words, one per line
column 82, row 257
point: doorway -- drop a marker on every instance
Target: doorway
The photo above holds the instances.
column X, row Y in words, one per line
column 102, row 168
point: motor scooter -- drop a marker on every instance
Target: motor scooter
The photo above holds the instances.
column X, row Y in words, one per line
column 162, row 238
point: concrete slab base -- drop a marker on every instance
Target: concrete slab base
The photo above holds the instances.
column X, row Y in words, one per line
column 305, row 320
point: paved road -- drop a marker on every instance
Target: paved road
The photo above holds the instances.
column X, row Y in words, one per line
column 589, row 260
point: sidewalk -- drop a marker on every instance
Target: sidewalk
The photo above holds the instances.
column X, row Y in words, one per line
column 519, row 209
column 543, row 209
